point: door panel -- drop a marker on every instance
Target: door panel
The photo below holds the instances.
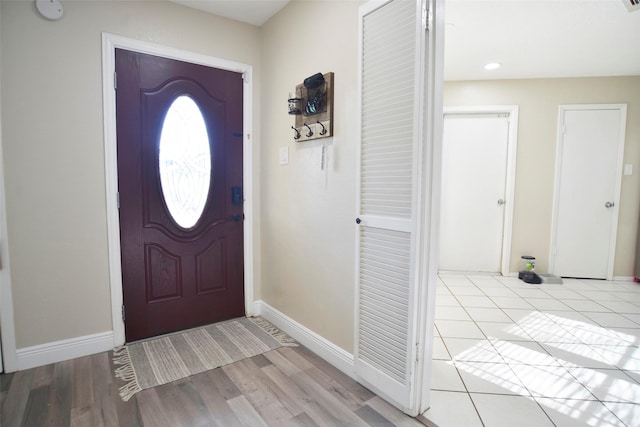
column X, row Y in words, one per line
column 587, row 177
column 474, row 171
column 174, row 277
column 391, row 73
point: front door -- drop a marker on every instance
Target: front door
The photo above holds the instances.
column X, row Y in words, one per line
column 179, row 131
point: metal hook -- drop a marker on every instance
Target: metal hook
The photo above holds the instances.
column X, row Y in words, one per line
column 324, row 130
column 297, row 135
column 310, row 133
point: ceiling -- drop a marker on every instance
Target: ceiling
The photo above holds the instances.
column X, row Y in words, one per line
column 540, row 38
column 530, row 38
column 254, row 12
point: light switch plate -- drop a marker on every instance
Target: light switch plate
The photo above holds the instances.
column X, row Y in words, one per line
column 628, row 169
column 284, row 155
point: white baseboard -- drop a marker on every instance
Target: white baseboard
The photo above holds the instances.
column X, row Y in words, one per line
column 257, row 308
column 336, row 356
column 57, row 351
column 623, row 278
column 477, row 273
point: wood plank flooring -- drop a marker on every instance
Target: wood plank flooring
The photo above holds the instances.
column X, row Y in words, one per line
column 289, row 386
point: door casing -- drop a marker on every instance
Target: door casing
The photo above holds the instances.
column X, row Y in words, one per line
column 8, row 353
column 110, row 43
column 618, row 178
column 510, row 188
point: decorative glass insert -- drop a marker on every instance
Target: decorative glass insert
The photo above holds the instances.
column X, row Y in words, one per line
column 185, row 161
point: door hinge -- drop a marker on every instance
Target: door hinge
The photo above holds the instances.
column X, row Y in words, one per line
column 115, row 81
column 118, row 199
column 426, row 17
column 123, row 312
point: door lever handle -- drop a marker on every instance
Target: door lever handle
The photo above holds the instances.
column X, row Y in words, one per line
column 609, row 205
column 501, row 202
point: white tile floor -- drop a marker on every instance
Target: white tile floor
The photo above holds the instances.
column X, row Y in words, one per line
column 507, row 353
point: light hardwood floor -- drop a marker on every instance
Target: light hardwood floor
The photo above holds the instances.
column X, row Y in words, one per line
column 287, row 386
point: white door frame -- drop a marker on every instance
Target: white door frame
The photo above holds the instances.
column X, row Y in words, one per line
column 618, row 183
column 510, row 188
column 8, row 332
column 110, row 43
column 429, row 222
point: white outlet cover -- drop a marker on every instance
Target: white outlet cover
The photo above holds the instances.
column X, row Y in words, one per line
column 628, row 169
column 284, row 155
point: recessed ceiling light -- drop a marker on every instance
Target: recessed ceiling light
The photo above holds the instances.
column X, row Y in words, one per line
column 492, row 66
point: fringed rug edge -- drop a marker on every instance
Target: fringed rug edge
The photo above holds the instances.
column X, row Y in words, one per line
column 126, row 372
column 282, row 338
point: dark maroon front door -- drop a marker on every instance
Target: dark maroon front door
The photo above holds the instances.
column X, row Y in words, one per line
column 180, row 193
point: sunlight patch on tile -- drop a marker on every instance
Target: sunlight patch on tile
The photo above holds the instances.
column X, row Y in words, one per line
column 609, row 385
column 495, row 378
column 629, row 413
column 578, row 413
column 472, row 350
column 579, row 354
column 517, row 353
column 551, row 381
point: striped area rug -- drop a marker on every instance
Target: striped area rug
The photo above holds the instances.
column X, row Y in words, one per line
column 160, row 360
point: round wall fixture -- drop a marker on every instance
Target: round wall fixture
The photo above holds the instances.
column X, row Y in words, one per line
column 50, row 9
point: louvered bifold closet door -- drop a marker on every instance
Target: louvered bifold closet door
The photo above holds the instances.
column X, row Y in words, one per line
column 387, row 166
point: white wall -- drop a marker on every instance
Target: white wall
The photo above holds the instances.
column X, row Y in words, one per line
column 308, row 214
column 53, row 148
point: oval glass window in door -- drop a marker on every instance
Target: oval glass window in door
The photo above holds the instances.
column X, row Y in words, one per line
column 185, row 161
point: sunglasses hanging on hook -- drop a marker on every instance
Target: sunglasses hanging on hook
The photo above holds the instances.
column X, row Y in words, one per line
column 312, row 99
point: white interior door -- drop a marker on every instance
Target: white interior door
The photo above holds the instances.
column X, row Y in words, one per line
column 392, row 144
column 588, row 174
column 474, row 192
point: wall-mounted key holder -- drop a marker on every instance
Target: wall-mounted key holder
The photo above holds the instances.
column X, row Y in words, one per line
column 312, row 106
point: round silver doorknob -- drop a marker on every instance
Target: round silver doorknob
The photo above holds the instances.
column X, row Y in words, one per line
column 609, row 205
column 501, row 202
